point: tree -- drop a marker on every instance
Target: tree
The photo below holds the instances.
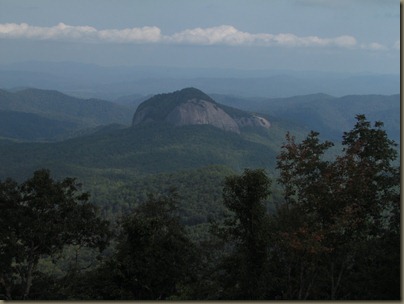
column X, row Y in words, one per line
column 369, row 199
column 154, row 256
column 342, row 209
column 300, row 223
column 367, row 174
column 38, row 218
column 247, row 231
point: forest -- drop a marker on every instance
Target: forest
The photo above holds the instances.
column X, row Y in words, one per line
column 321, row 228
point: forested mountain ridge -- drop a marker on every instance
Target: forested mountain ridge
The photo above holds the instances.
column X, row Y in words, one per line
column 50, row 115
column 328, row 114
column 42, row 115
column 191, row 106
column 150, row 148
column 163, row 146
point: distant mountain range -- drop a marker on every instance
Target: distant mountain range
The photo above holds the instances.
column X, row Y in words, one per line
column 33, row 114
column 183, row 130
column 324, row 113
column 45, row 115
column 92, row 81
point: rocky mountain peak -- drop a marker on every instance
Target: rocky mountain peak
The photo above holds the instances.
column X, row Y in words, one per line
column 191, row 106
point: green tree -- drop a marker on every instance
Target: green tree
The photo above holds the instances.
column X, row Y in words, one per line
column 38, row 218
column 245, row 268
column 340, row 208
column 300, row 223
column 368, row 187
column 154, row 257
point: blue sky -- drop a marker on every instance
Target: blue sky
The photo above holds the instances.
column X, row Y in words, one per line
column 325, row 35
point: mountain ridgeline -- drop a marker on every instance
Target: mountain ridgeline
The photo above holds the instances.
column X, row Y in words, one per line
column 43, row 115
column 191, row 106
column 48, row 115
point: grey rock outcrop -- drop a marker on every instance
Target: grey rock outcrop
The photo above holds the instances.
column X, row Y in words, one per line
column 193, row 107
column 202, row 112
column 253, row 121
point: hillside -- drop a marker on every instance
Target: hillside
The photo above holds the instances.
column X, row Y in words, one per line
column 34, row 114
column 29, row 126
column 120, row 166
column 146, row 149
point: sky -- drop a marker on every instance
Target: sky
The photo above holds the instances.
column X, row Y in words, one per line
column 324, row 35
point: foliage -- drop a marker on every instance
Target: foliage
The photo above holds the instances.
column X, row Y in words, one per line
column 39, row 217
column 247, row 230
column 153, row 256
column 338, row 207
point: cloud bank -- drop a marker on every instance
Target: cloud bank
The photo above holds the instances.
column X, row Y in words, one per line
column 229, row 35
column 79, row 33
column 220, row 35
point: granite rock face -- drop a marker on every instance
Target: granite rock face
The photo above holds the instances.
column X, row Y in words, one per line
column 193, row 107
column 202, row 112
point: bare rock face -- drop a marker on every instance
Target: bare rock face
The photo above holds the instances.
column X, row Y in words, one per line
column 193, row 107
column 253, row 121
column 202, row 112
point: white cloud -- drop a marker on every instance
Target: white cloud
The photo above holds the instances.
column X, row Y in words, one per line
column 313, row 41
column 60, row 31
column 144, row 34
column 397, row 45
column 224, row 34
column 220, row 35
column 229, row 35
column 374, row 46
column 79, row 33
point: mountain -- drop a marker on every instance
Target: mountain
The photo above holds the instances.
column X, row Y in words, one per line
column 34, row 114
column 182, row 130
column 191, row 106
column 329, row 115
